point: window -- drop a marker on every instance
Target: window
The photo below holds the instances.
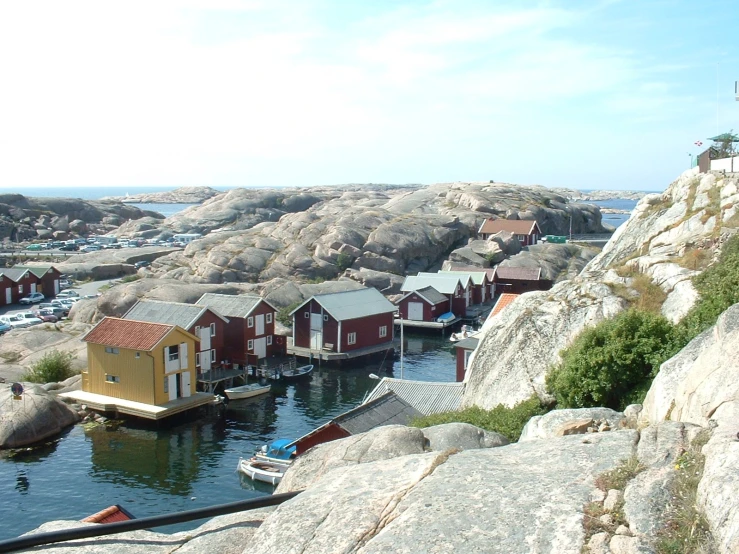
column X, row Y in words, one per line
column 166, row 385
column 269, row 340
column 111, row 350
column 250, row 345
column 212, row 329
column 197, row 331
column 269, row 317
column 197, row 359
column 250, row 322
column 173, row 353
column 383, row 331
column 20, row 289
column 325, row 317
column 213, row 355
column 306, row 315
column 112, row 378
column 137, row 355
column 351, row 338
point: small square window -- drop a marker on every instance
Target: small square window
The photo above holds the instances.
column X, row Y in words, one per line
column 306, row 315
column 325, row 317
column 351, row 338
column 137, row 355
column 250, row 345
column 269, row 340
column 269, row 317
column 250, row 322
column 383, row 331
column 197, row 331
column 111, row 350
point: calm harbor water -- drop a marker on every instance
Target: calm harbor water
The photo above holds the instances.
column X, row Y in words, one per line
column 191, row 464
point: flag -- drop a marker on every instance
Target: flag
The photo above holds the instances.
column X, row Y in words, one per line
column 698, row 143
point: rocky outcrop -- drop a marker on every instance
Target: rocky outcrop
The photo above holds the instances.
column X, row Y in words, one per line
column 25, row 218
column 558, row 262
column 558, row 423
column 519, row 346
column 37, row 415
column 598, row 195
column 182, row 195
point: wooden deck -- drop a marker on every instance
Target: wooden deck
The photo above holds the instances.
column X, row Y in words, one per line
column 331, row 356
column 103, row 403
column 441, row 325
column 210, row 379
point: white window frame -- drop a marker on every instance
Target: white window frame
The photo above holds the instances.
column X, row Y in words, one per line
column 197, row 359
column 213, row 355
column 269, row 340
column 250, row 322
column 268, row 317
column 306, row 315
column 351, row 338
column 250, row 345
column 212, row 329
column 20, row 289
column 137, row 355
column 112, row 378
column 111, row 350
column 383, row 331
column 173, row 355
column 325, row 317
column 197, row 331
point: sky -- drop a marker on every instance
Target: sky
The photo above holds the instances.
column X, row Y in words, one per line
column 584, row 94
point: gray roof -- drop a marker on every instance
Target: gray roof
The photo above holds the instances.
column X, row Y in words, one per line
column 442, row 283
column 352, row 304
column 432, row 295
column 425, row 396
column 231, row 305
column 470, row 343
column 464, row 277
column 478, row 277
column 170, row 313
column 14, row 273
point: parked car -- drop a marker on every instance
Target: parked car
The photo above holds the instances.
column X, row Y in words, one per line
column 57, row 311
column 90, row 248
column 4, row 327
column 15, row 321
column 33, row 298
column 69, row 248
column 35, row 247
column 142, row 263
column 59, row 304
column 48, row 316
column 30, row 317
column 67, row 294
column 65, row 283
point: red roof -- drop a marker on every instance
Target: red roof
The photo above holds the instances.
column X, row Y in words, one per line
column 505, row 299
column 518, row 273
column 515, row 226
column 124, row 333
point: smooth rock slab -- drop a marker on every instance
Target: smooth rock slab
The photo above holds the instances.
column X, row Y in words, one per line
column 462, row 436
column 554, row 423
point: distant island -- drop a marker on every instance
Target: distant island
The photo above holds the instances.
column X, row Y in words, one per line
column 181, row 195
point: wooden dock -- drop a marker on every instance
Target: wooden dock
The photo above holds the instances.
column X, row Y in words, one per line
column 331, row 356
column 103, row 403
column 440, row 325
column 210, row 379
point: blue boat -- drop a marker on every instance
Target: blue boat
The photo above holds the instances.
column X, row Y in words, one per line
column 443, row 318
column 279, row 449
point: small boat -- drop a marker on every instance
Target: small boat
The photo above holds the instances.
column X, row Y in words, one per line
column 246, row 391
column 291, row 374
column 465, row 333
column 279, row 450
column 261, row 470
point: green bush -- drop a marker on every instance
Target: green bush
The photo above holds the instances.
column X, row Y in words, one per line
column 613, row 363
column 53, row 367
column 344, row 261
column 284, row 317
column 503, row 420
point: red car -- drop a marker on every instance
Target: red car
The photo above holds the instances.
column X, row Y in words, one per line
column 47, row 316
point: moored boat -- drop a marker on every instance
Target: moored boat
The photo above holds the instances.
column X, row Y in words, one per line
column 246, row 391
column 292, row 374
column 465, row 333
column 261, row 470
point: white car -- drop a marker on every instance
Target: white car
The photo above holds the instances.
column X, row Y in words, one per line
column 14, row 321
column 30, row 317
column 90, row 248
column 32, row 298
column 67, row 294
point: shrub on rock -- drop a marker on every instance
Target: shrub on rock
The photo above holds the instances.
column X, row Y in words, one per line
column 53, row 367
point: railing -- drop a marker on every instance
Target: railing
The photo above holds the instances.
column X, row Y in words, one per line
column 64, row 535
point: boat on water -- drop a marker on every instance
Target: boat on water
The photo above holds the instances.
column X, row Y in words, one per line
column 465, row 333
column 262, row 470
column 291, row 374
column 246, row 391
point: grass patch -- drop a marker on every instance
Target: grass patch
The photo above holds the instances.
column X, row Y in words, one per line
column 10, row 357
column 695, row 258
column 501, row 419
column 619, row 477
column 130, row 278
column 641, row 293
column 686, row 529
column 53, row 367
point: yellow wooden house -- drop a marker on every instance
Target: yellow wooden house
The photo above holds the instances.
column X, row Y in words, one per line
column 140, row 368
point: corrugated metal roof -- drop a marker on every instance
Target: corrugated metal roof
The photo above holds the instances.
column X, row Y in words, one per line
column 37, row 270
column 505, row 299
column 231, row 305
column 478, row 277
column 425, row 396
column 442, row 283
column 170, row 313
column 353, row 304
column 489, row 271
column 521, row 273
column 123, row 333
column 515, row 226
column 430, row 294
column 464, row 277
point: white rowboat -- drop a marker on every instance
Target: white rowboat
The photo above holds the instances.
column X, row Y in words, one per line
column 261, row 470
column 246, row 391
